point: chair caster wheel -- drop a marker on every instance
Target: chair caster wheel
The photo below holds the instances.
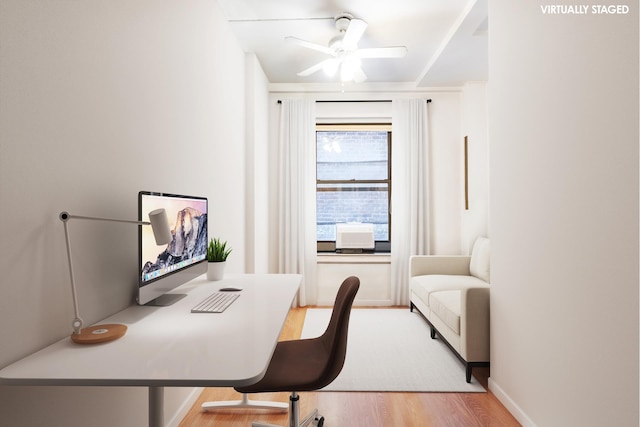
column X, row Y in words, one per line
column 318, row 422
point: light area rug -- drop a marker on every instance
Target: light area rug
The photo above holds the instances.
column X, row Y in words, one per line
column 391, row 350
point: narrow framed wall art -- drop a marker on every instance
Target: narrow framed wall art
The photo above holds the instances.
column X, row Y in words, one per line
column 466, row 173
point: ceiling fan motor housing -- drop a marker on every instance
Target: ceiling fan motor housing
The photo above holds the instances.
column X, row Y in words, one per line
column 342, row 21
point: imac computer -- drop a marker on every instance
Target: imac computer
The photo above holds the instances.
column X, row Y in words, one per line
column 163, row 268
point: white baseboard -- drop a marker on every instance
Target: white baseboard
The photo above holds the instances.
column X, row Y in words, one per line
column 511, row 406
column 358, row 303
column 185, row 407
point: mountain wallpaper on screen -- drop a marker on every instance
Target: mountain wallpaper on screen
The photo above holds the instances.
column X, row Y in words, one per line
column 189, row 240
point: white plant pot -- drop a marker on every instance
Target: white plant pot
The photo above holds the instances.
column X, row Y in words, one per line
column 215, row 271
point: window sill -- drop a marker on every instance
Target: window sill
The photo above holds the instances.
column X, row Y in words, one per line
column 332, row 258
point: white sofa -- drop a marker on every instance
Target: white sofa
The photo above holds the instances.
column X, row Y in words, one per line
column 452, row 294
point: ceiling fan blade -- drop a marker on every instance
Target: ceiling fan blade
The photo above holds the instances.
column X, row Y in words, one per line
column 311, row 45
column 382, row 52
column 315, row 68
column 359, row 76
column 354, row 33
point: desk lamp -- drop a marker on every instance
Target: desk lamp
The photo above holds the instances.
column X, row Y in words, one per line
column 109, row 332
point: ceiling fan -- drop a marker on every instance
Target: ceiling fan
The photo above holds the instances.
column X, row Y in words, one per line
column 344, row 52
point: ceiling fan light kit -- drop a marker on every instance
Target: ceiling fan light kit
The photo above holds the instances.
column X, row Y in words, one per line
column 351, row 69
column 330, row 66
column 343, row 48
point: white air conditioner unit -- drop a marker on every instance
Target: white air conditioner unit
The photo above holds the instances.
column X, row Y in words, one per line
column 355, row 236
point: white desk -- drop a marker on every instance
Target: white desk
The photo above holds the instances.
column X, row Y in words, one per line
column 170, row 346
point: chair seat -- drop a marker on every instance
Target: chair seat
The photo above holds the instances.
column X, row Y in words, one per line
column 296, row 365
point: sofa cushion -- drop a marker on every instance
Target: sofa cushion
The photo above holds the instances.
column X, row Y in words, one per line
column 423, row 286
column 480, row 259
column 446, row 305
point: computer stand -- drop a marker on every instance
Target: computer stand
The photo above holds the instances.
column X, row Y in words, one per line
column 245, row 403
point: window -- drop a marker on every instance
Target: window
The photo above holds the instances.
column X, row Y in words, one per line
column 353, row 180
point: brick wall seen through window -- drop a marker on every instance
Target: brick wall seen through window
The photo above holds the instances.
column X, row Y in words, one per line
column 353, row 178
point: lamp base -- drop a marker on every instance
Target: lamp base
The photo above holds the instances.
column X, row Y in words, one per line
column 99, row 333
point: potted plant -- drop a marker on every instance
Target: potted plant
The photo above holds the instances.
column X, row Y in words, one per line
column 217, row 253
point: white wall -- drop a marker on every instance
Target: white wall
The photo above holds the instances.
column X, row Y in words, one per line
column 563, row 125
column 91, row 93
column 257, row 170
column 374, row 272
column 475, row 219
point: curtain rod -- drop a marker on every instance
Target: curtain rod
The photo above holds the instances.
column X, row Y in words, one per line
column 357, row 100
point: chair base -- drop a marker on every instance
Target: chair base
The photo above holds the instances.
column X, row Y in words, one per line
column 312, row 420
column 245, row 403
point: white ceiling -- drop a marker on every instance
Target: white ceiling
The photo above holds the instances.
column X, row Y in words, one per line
column 446, row 39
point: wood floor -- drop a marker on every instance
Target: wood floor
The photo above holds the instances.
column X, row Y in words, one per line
column 356, row 409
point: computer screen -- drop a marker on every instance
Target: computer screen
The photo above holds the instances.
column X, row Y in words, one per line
column 163, row 268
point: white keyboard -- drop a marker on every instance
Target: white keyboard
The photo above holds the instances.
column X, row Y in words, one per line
column 216, row 302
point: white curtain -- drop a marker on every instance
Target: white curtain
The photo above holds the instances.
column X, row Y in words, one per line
column 410, row 194
column 297, row 195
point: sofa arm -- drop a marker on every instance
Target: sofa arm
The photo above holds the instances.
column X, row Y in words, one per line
column 474, row 323
column 420, row 265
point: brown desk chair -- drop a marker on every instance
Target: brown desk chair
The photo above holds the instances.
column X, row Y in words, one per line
column 309, row 364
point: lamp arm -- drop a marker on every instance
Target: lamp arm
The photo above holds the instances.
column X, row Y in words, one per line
column 157, row 220
column 162, row 234
column 77, row 321
column 66, row 216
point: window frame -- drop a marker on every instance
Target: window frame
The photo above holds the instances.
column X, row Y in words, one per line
column 381, row 246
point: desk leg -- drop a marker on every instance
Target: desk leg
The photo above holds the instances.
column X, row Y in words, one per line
column 156, row 406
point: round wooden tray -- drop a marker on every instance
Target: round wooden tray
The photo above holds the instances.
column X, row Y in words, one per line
column 99, row 333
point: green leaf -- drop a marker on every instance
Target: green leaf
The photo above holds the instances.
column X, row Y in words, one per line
column 217, row 251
